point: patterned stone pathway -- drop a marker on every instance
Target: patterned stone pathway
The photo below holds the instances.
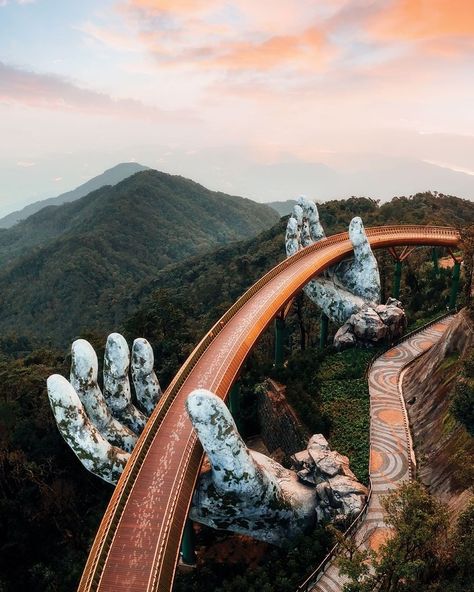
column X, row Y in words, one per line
column 391, row 452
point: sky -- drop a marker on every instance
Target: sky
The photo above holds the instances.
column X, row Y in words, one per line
column 263, row 99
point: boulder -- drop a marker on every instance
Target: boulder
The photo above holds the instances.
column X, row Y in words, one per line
column 368, row 326
column 338, row 493
column 344, row 337
column 317, row 442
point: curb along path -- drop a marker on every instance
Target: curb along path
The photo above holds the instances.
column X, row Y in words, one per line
column 391, row 452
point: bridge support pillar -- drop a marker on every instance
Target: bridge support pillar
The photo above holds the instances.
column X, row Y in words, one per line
column 435, row 257
column 188, row 553
column 397, row 277
column 323, row 330
column 234, row 403
column 455, row 284
column 280, row 334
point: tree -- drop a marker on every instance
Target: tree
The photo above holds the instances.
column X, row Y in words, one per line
column 411, row 558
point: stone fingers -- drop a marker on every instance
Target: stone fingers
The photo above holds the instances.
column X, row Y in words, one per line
column 311, row 218
column 92, row 449
column 117, row 384
column 83, row 378
column 304, row 227
column 291, row 237
column 360, row 274
column 147, row 387
column 233, row 468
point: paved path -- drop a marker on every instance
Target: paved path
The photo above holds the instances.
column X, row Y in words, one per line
column 391, row 452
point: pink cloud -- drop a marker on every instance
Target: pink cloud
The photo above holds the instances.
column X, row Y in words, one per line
column 53, row 92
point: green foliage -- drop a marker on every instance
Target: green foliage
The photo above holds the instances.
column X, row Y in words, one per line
column 282, row 570
column 421, row 553
column 329, row 392
column 462, row 404
column 345, row 403
column 49, row 506
column 351, row 363
column 78, row 266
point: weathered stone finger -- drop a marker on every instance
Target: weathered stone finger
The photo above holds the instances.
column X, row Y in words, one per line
column 83, row 378
column 147, row 387
column 233, row 468
column 117, row 384
column 291, row 237
column 313, row 224
column 91, row 448
column 359, row 274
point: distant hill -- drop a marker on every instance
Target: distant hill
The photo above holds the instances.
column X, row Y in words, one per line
column 91, row 253
column 284, row 208
column 109, row 177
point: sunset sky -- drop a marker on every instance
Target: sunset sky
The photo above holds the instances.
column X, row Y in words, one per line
column 234, row 93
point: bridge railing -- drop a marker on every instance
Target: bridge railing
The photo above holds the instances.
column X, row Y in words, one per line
column 103, row 540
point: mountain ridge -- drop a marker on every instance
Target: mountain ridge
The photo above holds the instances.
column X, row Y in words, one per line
column 110, row 176
column 92, row 252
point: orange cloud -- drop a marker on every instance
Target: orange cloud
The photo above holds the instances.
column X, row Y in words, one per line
column 425, row 19
column 309, row 49
column 238, row 36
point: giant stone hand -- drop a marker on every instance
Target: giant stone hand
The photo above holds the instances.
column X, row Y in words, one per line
column 244, row 491
column 348, row 292
column 102, row 428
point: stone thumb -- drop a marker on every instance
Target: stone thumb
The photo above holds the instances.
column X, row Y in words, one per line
column 233, row 467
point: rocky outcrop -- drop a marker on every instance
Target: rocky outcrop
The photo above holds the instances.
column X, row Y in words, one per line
column 372, row 325
column 443, row 448
column 339, row 495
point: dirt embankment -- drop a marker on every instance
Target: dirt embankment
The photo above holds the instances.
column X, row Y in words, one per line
column 443, row 448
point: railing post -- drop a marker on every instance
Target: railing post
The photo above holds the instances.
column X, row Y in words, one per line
column 323, row 330
column 397, row 276
column 280, row 333
column 454, row 285
column 188, row 553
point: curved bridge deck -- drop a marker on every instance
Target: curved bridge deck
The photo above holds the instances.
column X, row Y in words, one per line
column 137, row 545
column 391, row 451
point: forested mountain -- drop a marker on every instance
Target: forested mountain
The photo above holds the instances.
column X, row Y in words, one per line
column 109, row 177
column 283, row 207
column 77, row 260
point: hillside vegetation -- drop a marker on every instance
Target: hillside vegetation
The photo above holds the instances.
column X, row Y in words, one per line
column 109, row 177
column 79, row 259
